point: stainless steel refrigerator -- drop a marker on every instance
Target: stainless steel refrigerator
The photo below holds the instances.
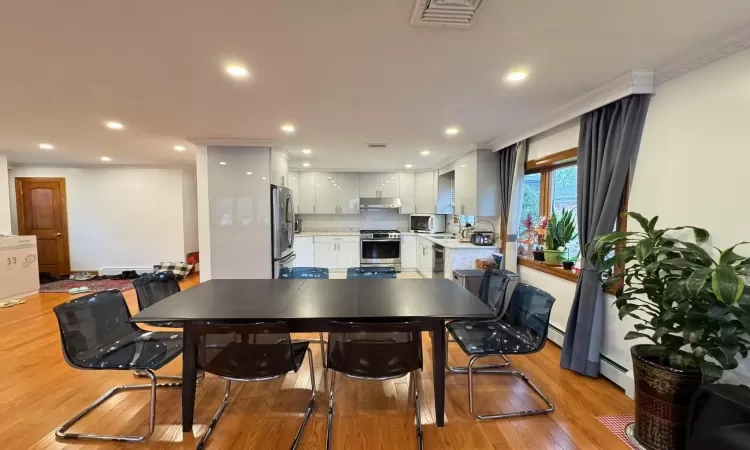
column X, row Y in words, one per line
column 282, row 229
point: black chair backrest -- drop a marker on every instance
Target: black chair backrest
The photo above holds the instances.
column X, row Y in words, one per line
column 304, row 272
column 375, row 350
column 497, row 289
column 91, row 324
column 245, row 351
column 155, row 287
column 353, row 273
column 528, row 314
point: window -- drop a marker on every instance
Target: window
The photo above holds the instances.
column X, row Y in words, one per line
column 564, row 195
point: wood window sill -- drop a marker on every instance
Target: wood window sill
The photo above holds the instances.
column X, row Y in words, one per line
column 558, row 272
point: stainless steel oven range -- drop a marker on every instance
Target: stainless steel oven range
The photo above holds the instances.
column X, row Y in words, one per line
column 381, row 248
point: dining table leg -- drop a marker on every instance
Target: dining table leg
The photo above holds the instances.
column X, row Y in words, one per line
column 188, row 377
column 438, row 369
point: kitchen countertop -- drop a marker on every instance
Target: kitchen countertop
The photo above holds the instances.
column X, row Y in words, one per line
column 327, row 233
column 447, row 243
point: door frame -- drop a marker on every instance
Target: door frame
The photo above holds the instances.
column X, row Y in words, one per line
column 63, row 203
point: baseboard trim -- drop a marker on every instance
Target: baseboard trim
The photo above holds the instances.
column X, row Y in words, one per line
column 616, row 373
column 111, row 271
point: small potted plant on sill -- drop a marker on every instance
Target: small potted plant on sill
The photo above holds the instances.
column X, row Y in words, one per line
column 560, row 232
column 694, row 308
column 569, row 262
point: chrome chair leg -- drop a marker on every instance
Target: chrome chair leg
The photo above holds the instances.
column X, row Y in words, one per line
column 487, row 368
column 516, row 373
column 322, row 342
column 329, row 430
column 178, row 378
column 297, row 437
column 415, row 381
column 61, row 430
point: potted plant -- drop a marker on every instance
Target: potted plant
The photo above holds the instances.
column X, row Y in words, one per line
column 569, row 262
column 559, row 233
column 535, row 235
column 694, row 308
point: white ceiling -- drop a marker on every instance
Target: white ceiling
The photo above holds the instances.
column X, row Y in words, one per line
column 345, row 72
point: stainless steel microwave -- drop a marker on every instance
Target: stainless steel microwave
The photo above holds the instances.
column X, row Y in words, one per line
column 427, row 223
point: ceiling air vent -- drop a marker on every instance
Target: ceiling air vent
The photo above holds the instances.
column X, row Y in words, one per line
column 444, row 13
column 377, row 145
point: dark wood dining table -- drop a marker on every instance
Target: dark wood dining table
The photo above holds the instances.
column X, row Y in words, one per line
column 309, row 306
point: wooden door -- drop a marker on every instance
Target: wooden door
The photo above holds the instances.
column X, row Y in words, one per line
column 42, row 212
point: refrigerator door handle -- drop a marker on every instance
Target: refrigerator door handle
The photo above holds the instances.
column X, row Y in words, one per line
column 290, row 221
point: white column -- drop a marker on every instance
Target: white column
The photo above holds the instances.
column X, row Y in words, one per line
column 4, row 197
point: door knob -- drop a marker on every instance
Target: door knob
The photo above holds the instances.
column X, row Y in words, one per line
column 58, row 234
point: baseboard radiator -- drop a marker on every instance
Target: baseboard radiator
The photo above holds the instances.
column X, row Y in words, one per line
column 111, row 271
column 616, row 373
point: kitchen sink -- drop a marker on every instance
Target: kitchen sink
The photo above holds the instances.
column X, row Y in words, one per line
column 443, row 237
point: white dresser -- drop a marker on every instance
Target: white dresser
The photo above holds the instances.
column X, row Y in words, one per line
column 19, row 268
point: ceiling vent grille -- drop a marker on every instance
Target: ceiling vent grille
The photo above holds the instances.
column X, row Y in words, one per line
column 377, row 145
column 445, row 13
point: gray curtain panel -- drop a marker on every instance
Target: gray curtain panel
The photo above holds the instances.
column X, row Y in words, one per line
column 510, row 252
column 507, row 170
column 607, row 145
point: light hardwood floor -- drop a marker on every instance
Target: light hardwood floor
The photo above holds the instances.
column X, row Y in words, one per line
column 39, row 391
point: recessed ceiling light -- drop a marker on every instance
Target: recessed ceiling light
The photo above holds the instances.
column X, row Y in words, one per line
column 114, row 125
column 462, row 166
column 288, row 128
column 514, row 76
column 45, row 146
column 222, row 163
column 249, row 173
column 424, row 152
column 106, row 158
column 262, row 178
column 305, row 164
column 408, row 166
column 451, row 131
column 237, row 71
column 179, row 148
column 306, row 151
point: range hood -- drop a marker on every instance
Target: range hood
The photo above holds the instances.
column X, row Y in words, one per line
column 380, row 203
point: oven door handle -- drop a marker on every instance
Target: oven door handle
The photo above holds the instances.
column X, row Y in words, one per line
column 381, row 240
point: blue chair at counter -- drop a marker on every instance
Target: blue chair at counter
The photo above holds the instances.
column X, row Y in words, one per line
column 300, row 273
column 354, row 273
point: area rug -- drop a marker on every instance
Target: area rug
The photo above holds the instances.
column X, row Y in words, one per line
column 616, row 424
column 93, row 285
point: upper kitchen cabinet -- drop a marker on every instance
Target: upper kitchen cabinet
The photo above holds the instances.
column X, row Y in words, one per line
column 279, row 168
column 369, row 185
column 293, row 184
column 477, row 184
column 425, row 188
column 389, row 185
column 348, row 192
column 406, row 192
column 326, row 194
column 378, row 185
column 306, row 197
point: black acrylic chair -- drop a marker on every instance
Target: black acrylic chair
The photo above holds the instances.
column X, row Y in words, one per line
column 354, row 273
column 374, row 351
column 495, row 291
column 521, row 330
column 311, row 273
column 96, row 335
column 251, row 352
column 151, row 289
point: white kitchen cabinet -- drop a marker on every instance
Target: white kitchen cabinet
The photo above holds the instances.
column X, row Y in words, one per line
column 424, row 256
column 425, row 187
column 304, row 249
column 389, row 185
column 409, row 246
column 306, row 197
column 406, row 182
column 348, row 255
column 348, row 192
column 369, row 185
column 294, row 186
column 477, row 181
column 326, row 254
column 326, row 194
column 279, row 168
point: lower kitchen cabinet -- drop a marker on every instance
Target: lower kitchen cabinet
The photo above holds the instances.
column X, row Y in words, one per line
column 424, row 257
column 409, row 252
column 304, row 249
column 336, row 252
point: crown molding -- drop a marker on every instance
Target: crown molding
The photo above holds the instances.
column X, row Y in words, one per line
column 704, row 55
column 637, row 81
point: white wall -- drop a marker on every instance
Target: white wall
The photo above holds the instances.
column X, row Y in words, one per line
column 5, row 221
column 562, row 137
column 118, row 217
column 190, row 210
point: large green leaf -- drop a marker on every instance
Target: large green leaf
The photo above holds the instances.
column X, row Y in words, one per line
column 710, row 371
column 727, row 286
column 652, row 224
column 700, row 234
column 729, row 257
column 643, row 249
column 635, row 335
column 641, row 220
column 699, row 252
column 697, row 280
column 627, row 310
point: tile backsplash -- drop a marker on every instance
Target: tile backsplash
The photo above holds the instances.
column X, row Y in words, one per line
column 369, row 220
